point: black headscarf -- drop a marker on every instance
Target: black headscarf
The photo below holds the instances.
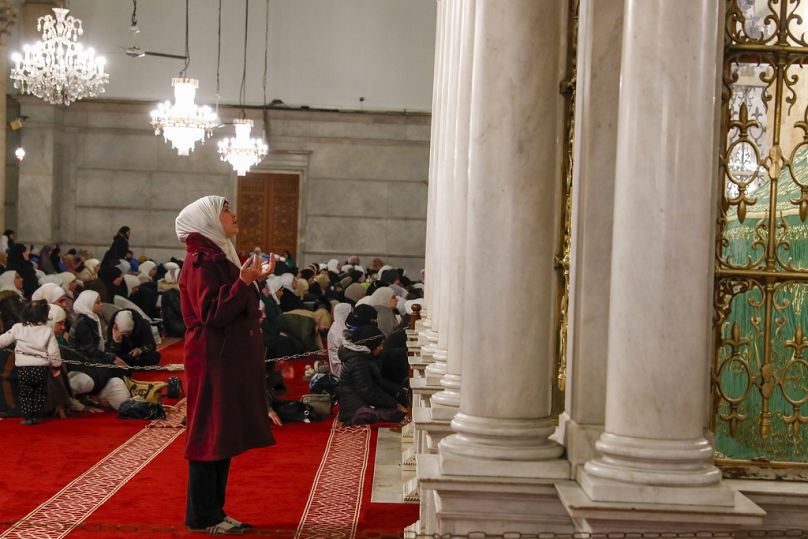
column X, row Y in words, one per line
column 18, row 263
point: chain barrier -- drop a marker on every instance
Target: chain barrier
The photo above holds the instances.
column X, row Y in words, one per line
column 320, row 352
column 56, row 526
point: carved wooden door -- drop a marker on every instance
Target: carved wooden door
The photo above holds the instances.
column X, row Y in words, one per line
column 267, row 212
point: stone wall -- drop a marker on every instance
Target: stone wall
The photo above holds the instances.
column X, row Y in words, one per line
column 94, row 167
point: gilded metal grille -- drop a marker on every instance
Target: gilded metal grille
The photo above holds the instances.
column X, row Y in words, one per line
column 759, row 372
column 562, row 258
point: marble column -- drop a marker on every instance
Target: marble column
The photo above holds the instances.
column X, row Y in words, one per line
column 600, row 24
column 7, row 18
column 446, row 403
column 445, row 173
column 653, row 449
column 504, row 422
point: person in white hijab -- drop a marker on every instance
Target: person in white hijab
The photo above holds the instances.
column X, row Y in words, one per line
column 384, row 301
column 69, row 282
column 171, row 278
column 90, row 271
column 50, row 292
column 202, row 217
column 124, row 266
column 288, row 282
column 333, row 265
column 132, row 282
column 274, row 283
column 11, row 281
column 336, row 336
column 89, row 304
column 53, row 279
column 148, row 270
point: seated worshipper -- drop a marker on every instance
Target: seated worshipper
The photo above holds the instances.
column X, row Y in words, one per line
column 142, row 294
column 89, row 270
column 130, row 337
column 171, row 279
column 45, row 262
column 336, row 337
column 364, row 396
column 292, row 304
column 36, row 356
column 384, row 301
column 54, row 295
column 148, row 270
column 112, row 278
column 354, row 293
column 59, row 393
column 18, row 261
column 86, row 338
column 11, row 300
column 171, row 313
column 276, row 343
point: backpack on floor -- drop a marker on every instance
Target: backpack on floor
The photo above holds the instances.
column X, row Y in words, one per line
column 291, row 411
column 139, row 408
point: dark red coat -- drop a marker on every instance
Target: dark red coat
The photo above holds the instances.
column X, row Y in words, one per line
column 224, row 359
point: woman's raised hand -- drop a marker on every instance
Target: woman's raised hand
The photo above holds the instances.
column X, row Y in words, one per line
column 252, row 270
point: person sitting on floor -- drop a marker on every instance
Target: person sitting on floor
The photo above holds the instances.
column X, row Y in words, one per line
column 130, row 337
column 11, row 300
column 87, row 344
column 365, row 397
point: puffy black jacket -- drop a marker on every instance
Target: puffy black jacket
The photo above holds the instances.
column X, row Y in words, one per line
column 172, row 314
column 361, row 384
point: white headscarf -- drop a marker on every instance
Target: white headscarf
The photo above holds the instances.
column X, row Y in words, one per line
column 381, row 297
column 50, row 292
column 55, row 315
column 274, row 283
column 172, row 272
column 202, row 217
column 145, row 268
column 346, row 267
column 363, row 301
column 84, row 305
column 93, row 264
column 7, row 282
column 287, row 280
column 336, row 336
column 53, row 279
column 66, row 278
column 124, row 266
column 124, row 320
column 333, row 265
column 132, row 282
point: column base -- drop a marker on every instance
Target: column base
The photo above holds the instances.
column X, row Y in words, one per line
column 437, row 370
column 670, row 471
column 650, row 515
column 459, row 505
column 488, row 446
column 446, row 403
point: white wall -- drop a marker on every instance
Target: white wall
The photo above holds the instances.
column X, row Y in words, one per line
column 323, row 53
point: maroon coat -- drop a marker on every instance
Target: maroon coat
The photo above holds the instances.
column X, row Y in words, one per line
column 224, row 360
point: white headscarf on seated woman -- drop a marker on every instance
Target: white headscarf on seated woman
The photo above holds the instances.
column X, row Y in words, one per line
column 381, row 297
column 52, row 279
column 202, row 216
column 145, row 270
column 274, row 283
column 287, row 281
column 172, row 272
column 336, row 336
column 93, row 264
column 50, row 292
column 67, row 279
column 333, row 265
column 131, row 282
column 84, row 305
column 7, row 282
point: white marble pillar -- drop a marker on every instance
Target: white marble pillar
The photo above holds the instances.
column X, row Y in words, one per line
column 445, row 174
column 446, row 403
column 504, row 421
column 7, row 18
column 600, row 25
column 653, row 448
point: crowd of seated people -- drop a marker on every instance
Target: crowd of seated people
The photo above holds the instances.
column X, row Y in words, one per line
column 114, row 310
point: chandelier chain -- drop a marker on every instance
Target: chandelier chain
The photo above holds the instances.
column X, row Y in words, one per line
column 266, row 54
column 242, row 96
column 187, row 47
column 219, row 58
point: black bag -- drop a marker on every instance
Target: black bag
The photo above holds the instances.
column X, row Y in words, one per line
column 174, row 388
column 290, row 411
column 328, row 383
column 141, row 409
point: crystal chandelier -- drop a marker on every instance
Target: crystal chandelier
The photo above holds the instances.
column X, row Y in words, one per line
column 241, row 151
column 183, row 122
column 58, row 68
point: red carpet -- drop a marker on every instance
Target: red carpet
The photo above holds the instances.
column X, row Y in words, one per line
column 269, row 487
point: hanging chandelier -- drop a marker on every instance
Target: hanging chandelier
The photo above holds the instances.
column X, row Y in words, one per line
column 183, row 123
column 241, row 151
column 58, row 68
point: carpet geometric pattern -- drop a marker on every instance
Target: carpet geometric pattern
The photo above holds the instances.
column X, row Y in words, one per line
column 333, row 506
column 69, row 507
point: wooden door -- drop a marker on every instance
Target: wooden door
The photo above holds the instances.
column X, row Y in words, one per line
column 267, row 212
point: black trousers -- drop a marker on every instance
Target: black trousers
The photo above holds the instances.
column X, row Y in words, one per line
column 207, row 482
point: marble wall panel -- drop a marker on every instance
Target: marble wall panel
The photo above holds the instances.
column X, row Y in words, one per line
column 345, row 234
column 350, row 198
column 369, row 162
column 112, row 188
column 407, row 200
column 405, row 236
column 174, row 190
column 119, row 151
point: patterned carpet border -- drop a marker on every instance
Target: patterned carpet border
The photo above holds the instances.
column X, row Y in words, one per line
column 333, row 506
column 74, row 503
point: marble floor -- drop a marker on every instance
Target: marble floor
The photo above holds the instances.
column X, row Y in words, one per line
column 387, row 475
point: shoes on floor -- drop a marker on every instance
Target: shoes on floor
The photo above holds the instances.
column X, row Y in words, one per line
column 30, row 421
column 228, row 526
